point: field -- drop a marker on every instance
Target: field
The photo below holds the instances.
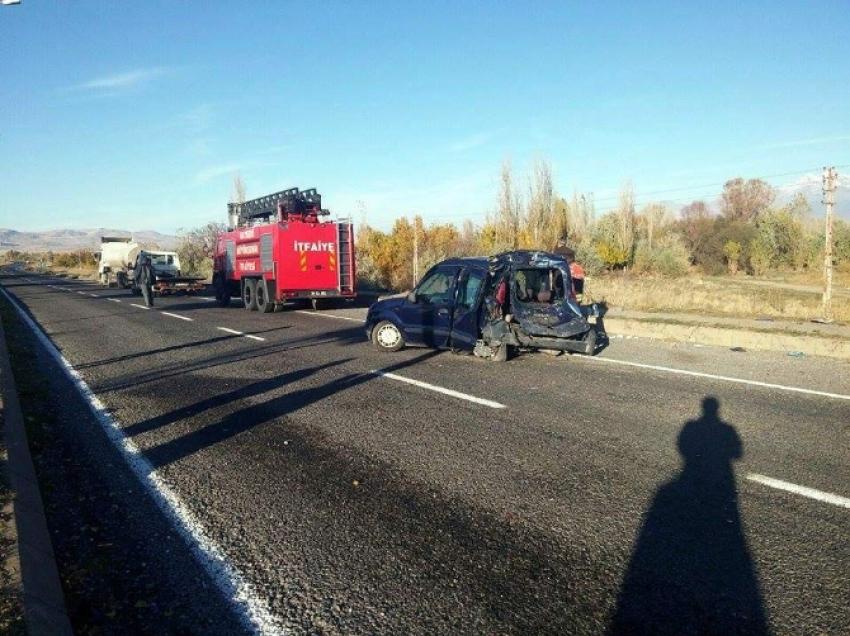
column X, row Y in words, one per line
column 792, row 296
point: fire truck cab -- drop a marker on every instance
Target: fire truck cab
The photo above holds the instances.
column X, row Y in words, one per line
column 279, row 249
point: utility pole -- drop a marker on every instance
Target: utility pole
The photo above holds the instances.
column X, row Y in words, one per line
column 415, row 250
column 830, row 177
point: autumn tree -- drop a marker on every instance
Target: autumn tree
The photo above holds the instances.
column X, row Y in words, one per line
column 744, row 200
column 197, row 248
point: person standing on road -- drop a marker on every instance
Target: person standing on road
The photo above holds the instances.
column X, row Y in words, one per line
column 145, row 278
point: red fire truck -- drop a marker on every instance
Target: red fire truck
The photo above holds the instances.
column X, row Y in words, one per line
column 279, row 249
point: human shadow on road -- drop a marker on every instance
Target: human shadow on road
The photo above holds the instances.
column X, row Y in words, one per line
column 691, row 571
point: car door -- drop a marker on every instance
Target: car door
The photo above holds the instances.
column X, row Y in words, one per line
column 470, row 285
column 427, row 321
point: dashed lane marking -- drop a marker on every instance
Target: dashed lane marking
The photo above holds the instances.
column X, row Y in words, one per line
column 321, row 315
column 138, row 306
column 94, row 295
column 81, row 293
column 439, row 389
column 233, row 331
column 168, row 313
column 253, row 337
column 811, row 493
column 723, row 378
column 114, row 300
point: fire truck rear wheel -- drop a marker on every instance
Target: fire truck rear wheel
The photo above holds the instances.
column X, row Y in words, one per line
column 264, row 304
column 387, row 337
column 249, row 294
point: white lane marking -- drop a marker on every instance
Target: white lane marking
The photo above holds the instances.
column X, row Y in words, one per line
column 439, row 389
column 252, row 610
column 811, row 493
column 115, row 300
column 253, row 337
column 94, row 295
column 139, row 306
column 81, row 293
column 168, row 313
column 233, row 331
column 207, row 298
column 724, row 378
column 316, row 313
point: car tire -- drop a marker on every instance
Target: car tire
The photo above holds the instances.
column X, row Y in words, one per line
column 264, row 304
column 249, row 294
column 387, row 337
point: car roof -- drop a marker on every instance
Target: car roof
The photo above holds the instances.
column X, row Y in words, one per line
column 467, row 261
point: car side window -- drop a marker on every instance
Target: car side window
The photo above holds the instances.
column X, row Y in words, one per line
column 470, row 285
column 437, row 287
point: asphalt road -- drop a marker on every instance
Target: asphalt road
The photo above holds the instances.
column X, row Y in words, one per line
column 570, row 496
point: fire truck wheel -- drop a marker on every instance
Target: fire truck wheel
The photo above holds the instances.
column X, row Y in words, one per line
column 387, row 337
column 249, row 294
column 263, row 303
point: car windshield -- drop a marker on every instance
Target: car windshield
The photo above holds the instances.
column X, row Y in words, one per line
column 162, row 259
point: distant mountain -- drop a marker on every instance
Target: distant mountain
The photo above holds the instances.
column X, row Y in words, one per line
column 810, row 186
column 69, row 240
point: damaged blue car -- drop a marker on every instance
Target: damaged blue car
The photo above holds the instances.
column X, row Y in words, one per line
column 490, row 306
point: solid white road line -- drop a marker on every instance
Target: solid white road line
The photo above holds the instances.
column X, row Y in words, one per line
column 115, row 300
column 439, row 389
column 724, row 378
column 811, row 493
column 233, row 331
column 253, row 337
column 139, row 306
column 168, row 313
column 326, row 315
column 251, row 608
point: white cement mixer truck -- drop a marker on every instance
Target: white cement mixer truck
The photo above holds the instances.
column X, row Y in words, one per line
column 117, row 257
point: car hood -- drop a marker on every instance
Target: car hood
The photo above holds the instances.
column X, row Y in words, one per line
column 388, row 302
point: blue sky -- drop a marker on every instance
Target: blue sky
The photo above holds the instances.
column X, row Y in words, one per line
column 137, row 114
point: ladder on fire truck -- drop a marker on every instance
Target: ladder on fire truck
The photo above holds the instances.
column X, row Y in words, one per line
column 346, row 284
column 280, row 205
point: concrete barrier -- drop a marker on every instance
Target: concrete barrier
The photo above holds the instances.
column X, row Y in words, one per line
column 44, row 603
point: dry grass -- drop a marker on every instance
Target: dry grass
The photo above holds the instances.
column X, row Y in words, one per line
column 84, row 273
column 719, row 296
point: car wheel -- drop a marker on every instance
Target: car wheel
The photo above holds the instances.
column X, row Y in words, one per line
column 387, row 337
column 249, row 294
column 264, row 305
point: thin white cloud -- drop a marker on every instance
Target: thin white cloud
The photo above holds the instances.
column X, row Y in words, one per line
column 121, row 81
column 213, row 172
column 814, row 141
column 473, row 141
